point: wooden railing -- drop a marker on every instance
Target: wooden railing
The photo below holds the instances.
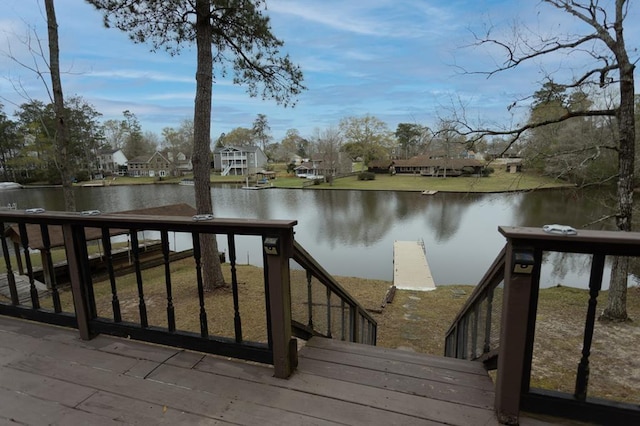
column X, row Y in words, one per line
column 515, row 278
column 340, row 316
column 166, row 304
column 475, row 332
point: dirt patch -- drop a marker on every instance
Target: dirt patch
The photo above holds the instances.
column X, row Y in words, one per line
column 614, row 364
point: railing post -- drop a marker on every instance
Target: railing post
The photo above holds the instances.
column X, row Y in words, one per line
column 520, row 276
column 72, row 240
column 278, row 250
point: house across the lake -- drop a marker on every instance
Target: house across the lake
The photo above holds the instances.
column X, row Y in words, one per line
column 426, row 166
column 239, row 161
column 430, row 165
column 156, row 165
column 112, row 162
column 327, row 164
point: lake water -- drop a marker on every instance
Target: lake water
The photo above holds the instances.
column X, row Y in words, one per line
column 351, row 233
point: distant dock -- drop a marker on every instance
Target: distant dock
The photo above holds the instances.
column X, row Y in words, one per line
column 23, row 287
column 410, row 267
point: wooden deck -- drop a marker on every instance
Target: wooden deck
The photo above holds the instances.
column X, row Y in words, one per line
column 49, row 376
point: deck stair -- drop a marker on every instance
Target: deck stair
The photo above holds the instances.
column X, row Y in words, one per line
column 23, row 287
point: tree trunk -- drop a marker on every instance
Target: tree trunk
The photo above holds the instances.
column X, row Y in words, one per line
column 616, row 309
column 211, row 268
column 61, row 138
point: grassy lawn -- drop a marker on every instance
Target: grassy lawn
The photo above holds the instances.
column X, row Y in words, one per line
column 500, row 181
column 145, row 180
column 496, row 182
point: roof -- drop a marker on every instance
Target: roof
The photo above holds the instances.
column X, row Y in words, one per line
column 307, row 165
column 107, row 151
column 139, row 160
column 148, row 159
column 425, row 161
column 237, row 148
column 55, row 232
column 380, row 164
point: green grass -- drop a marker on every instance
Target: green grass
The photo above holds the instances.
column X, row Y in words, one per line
column 499, row 181
column 288, row 182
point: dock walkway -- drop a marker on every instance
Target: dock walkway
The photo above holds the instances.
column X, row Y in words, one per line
column 410, row 267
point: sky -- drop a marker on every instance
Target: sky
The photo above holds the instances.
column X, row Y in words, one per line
column 402, row 61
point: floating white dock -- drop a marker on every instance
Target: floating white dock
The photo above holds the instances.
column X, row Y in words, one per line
column 410, row 268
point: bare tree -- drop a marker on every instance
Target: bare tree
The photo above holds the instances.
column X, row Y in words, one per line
column 60, row 137
column 609, row 66
column 328, row 143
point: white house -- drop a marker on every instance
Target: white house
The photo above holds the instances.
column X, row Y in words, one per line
column 111, row 161
column 239, row 161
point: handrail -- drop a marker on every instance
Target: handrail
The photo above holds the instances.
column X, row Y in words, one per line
column 456, row 344
column 519, row 264
column 85, row 311
column 362, row 326
column 73, row 231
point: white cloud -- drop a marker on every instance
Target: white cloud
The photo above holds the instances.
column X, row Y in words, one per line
column 141, row 74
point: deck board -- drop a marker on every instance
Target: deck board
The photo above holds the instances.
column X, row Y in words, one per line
column 48, row 373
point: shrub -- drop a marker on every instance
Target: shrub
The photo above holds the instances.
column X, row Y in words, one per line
column 487, row 171
column 366, row 176
column 83, row 175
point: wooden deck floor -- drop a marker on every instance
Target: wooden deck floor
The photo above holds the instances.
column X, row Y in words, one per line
column 49, row 376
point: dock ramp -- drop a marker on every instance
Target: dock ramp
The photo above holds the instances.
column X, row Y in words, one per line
column 410, row 267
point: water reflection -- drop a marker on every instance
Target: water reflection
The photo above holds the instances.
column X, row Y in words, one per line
column 352, row 232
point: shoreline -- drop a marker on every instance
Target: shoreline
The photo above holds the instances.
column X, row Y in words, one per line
column 436, row 186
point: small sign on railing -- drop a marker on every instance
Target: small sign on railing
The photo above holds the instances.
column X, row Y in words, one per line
column 523, row 261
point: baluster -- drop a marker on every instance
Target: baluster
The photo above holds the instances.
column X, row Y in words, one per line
column 595, row 283
column 108, row 256
column 343, row 330
column 462, row 337
column 11, row 279
column 367, row 331
column 171, row 316
column 47, row 267
column 474, row 331
column 267, row 298
column 352, row 323
column 309, row 300
column 231, row 243
column 142, row 307
column 487, row 324
column 328, row 312
column 204, row 329
column 24, row 239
